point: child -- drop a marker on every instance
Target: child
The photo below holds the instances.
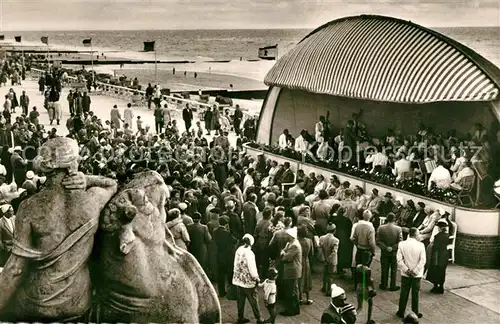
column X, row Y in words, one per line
column 139, row 123
column 364, row 286
column 269, row 286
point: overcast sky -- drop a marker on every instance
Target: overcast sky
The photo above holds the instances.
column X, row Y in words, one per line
column 220, row 14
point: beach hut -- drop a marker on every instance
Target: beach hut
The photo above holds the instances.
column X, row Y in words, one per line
column 401, row 74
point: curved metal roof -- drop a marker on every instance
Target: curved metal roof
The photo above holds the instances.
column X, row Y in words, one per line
column 385, row 59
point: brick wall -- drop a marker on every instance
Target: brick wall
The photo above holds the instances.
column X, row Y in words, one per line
column 482, row 252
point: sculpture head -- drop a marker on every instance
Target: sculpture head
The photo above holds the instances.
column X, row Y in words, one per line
column 139, row 260
column 57, row 153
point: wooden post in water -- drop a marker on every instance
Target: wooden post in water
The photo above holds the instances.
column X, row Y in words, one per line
column 156, row 68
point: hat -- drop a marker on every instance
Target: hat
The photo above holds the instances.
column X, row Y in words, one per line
column 421, row 204
column 250, row 238
column 292, row 232
column 388, row 195
column 5, row 208
column 182, row 206
column 18, row 148
column 441, row 211
column 196, row 215
column 330, row 227
column 375, row 191
column 400, row 199
column 215, row 211
column 30, row 175
column 442, row 222
column 336, row 291
column 10, row 150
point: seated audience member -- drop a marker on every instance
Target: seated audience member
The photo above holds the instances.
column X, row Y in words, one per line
column 465, row 172
column 427, row 226
column 400, row 166
column 377, row 159
column 297, row 189
column 440, row 176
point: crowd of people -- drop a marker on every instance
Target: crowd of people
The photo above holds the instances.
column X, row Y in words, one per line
column 429, row 163
column 233, row 212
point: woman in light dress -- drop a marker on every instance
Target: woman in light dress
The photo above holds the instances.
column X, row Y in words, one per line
column 178, row 229
column 321, row 185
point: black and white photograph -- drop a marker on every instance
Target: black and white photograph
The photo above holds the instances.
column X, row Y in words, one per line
column 265, row 161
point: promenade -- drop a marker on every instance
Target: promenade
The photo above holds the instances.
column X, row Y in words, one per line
column 471, row 296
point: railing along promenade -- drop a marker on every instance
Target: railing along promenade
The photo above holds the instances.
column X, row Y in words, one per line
column 135, row 96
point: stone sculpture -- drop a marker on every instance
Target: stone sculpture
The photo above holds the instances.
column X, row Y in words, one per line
column 46, row 277
column 145, row 277
column 141, row 275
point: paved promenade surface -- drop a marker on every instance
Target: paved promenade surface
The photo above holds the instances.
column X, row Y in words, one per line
column 472, row 296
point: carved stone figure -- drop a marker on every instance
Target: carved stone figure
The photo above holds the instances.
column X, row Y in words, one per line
column 145, row 277
column 46, row 278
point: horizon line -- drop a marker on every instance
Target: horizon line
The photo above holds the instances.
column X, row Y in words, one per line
column 208, row 29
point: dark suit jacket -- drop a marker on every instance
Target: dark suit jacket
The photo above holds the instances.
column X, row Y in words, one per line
column 389, row 235
column 200, row 238
column 235, row 225
column 225, row 246
column 287, row 177
column 249, row 218
column 6, row 236
column 416, row 220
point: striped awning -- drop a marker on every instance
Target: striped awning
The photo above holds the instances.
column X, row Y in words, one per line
column 383, row 59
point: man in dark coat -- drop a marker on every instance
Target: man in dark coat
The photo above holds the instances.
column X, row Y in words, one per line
column 24, row 101
column 235, row 223
column 7, row 225
column 291, row 257
column 438, row 258
column 18, row 166
column 225, row 255
column 385, row 207
column 417, row 219
column 287, row 176
column 262, row 237
column 388, row 237
column 86, row 102
column 238, row 117
column 250, row 212
column 200, row 238
column 187, row 116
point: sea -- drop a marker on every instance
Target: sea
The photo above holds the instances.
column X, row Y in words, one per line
column 230, row 45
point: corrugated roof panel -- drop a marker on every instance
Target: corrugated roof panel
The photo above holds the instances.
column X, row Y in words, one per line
column 383, row 59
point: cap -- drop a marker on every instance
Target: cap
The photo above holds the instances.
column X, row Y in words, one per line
column 18, row 148
column 441, row 211
column 215, row 211
column 375, row 191
column 330, row 227
column 292, row 232
column 336, row 291
column 421, row 204
column 442, row 222
column 249, row 237
column 183, row 206
column 388, row 195
column 30, row 175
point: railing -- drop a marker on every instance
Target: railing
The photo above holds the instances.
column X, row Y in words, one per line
column 137, row 97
